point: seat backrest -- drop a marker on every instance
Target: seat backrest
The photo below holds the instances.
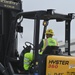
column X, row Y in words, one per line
column 52, row 50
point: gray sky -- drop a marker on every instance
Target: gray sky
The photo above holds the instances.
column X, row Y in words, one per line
column 60, row 6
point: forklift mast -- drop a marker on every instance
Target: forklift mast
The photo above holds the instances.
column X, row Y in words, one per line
column 8, row 35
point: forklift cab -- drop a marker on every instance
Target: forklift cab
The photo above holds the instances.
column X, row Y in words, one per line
column 46, row 16
column 37, row 16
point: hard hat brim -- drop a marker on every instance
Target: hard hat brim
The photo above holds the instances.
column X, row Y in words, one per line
column 49, row 34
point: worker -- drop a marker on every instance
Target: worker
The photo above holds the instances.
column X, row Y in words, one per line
column 49, row 41
column 28, row 58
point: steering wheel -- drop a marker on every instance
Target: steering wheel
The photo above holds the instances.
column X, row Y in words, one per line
column 29, row 44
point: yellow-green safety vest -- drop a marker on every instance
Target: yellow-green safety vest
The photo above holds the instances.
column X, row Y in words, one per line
column 28, row 57
column 48, row 42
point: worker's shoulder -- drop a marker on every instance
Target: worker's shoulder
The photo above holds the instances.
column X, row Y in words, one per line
column 28, row 54
column 54, row 39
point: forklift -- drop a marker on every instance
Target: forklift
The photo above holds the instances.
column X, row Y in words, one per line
column 47, row 64
column 11, row 17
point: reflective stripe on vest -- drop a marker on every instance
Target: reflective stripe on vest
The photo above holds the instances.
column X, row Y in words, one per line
column 26, row 61
column 45, row 43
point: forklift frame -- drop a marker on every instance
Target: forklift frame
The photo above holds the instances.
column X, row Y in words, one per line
column 47, row 15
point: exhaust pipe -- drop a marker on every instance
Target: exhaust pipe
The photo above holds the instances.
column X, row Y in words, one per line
column 2, row 69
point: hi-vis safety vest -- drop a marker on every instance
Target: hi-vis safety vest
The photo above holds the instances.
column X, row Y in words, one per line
column 48, row 42
column 28, row 57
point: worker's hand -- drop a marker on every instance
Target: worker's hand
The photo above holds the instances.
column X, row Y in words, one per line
column 28, row 47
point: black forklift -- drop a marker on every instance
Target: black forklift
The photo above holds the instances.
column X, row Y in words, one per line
column 11, row 16
column 45, row 64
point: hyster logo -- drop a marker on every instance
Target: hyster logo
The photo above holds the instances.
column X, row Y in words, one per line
column 61, row 62
column 53, row 66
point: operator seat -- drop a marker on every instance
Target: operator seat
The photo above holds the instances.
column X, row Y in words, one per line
column 51, row 50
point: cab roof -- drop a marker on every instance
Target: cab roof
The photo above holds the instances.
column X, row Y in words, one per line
column 46, row 15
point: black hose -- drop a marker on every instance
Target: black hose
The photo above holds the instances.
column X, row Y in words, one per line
column 44, row 32
column 3, row 70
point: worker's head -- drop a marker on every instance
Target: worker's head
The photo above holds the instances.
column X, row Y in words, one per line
column 49, row 33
